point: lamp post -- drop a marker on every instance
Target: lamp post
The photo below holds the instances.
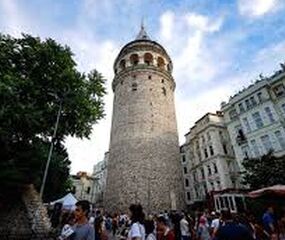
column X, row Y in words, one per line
column 50, row 150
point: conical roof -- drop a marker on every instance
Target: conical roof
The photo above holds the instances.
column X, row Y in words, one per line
column 142, row 34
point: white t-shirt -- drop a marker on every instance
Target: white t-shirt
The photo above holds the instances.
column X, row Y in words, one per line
column 184, row 227
column 215, row 223
column 137, row 230
column 151, row 236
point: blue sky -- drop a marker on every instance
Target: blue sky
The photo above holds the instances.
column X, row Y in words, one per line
column 217, row 48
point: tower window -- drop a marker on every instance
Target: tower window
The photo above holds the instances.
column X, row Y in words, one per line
column 160, row 62
column 162, row 80
column 134, row 58
column 164, row 91
column 134, row 87
column 186, row 182
column 123, row 64
column 148, row 59
column 134, row 76
column 168, row 68
column 149, row 77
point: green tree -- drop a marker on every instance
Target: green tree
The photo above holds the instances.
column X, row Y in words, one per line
column 36, row 77
column 265, row 171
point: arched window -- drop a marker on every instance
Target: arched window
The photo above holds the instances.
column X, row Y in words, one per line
column 160, row 62
column 134, row 58
column 134, row 86
column 122, row 64
column 168, row 67
column 148, row 59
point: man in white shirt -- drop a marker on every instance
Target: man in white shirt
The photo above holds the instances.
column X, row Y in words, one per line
column 184, row 228
column 215, row 223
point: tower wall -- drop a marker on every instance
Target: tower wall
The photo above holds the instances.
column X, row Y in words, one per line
column 144, row 151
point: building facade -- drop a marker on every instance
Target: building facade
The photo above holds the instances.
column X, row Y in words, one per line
column 143, row 162
column 83, row 186
column 255, row 118
column 100, row 176
column 207, row 159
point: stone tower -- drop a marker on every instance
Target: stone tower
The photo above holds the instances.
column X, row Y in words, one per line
column 144, row 150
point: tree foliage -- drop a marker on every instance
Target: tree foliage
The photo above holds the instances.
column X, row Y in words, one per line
column 36, row 77
column 265, row 171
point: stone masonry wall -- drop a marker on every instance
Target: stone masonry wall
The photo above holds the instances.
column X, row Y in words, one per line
column 144, row 152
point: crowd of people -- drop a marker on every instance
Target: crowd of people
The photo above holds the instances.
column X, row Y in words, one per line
column 83, row 224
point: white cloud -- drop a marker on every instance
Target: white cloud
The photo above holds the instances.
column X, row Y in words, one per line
column 14, row 21
column 256, row 8
column 203, row 23
column 91, row 53
column 167, row 23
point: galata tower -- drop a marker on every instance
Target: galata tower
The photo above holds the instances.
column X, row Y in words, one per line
column 144, row 158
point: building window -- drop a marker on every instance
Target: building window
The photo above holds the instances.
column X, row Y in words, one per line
column 148, row 59
column 209, row 136
column 255, row 148
column 194, row 176
column 88, row 190
column 183, row 158
column 280, row 138
column 212, row 186
column 245, row 151
column 225, row 149
column 206, row 153
column 247, row 103
column 219, row 185
column 233, row 114
column 160, row 62
column 202, row 173
column 266, row 143
column 221, row 136
column 188, row 196
column 258, row 120
column 211, row 150
column 73, row 189
column 279, row 90
column 164, row 91
column 134, row 86
column 215, row 168
column 122, row 64
column 259, row 96
column 247, row 125
column 240, row 135
column 253, row 101
column 134, row 59
column 283, row 107
column 205, row 189
column 209, row 170
column 241, row 108
column 186, row 182
column 185, row 170
column 269, row 114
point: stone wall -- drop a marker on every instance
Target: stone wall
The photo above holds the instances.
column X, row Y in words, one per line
column 25, row 217
column 144, row 163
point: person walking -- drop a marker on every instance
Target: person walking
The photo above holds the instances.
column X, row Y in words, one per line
column 149, row 230
column 231, row 230
column 203, row 232
column 83, row 230
column 137, row 229
column 185, row 228
column 163, row 231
